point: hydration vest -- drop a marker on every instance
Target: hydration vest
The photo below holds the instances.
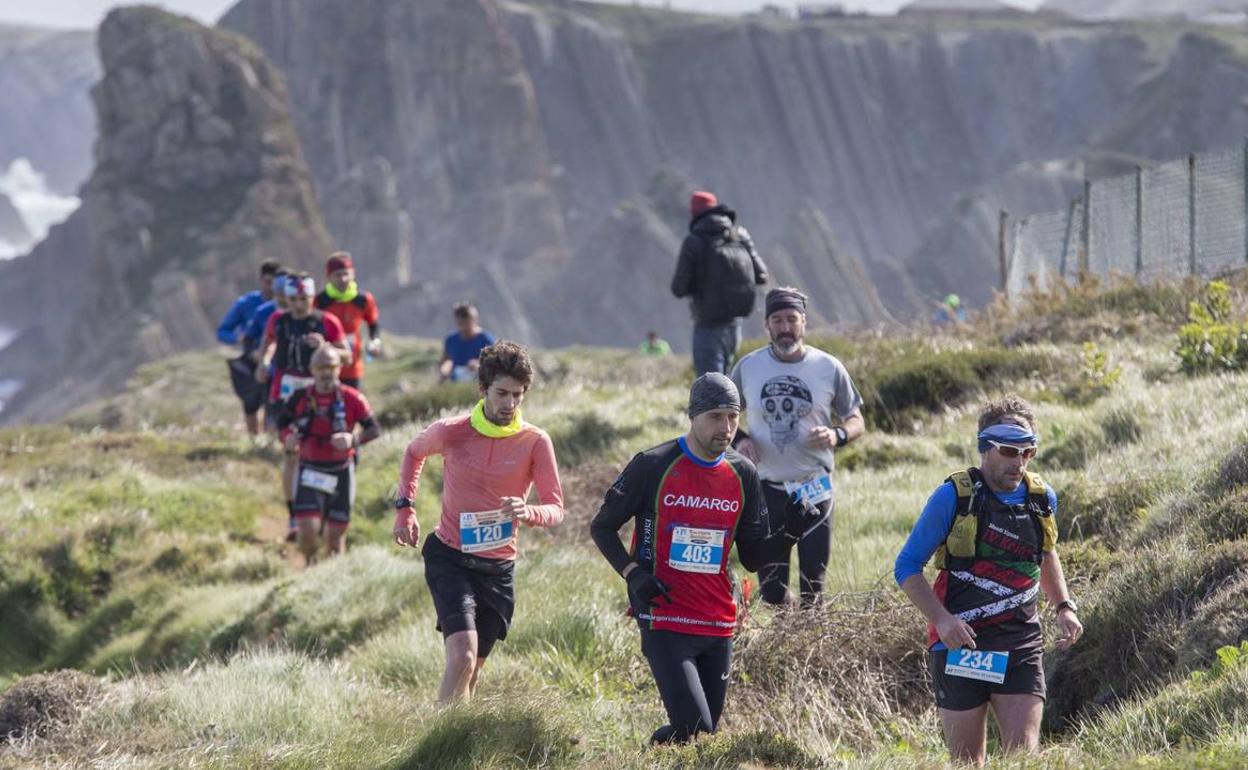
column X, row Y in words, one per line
column 336, row 412
column 958, row 552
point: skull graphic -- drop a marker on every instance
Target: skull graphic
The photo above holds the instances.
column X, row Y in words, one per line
column 786, row 400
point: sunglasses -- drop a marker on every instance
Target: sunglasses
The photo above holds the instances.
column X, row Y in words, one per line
column 1010, row 450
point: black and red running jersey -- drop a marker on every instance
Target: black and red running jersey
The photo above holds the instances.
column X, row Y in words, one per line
column 687, row 515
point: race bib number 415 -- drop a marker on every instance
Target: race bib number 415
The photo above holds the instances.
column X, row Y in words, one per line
column 696, row 550
column 484, row 530
column 984, row 665
column 813, row 490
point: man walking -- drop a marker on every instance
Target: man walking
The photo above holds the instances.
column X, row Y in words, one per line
column 801, row 406
column 354, row 308
column 232, row 331
column 994, row 534
column 718, row 268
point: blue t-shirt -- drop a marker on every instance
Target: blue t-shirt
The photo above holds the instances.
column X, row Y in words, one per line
column 461, row 351
column 937, row 519
column 234, row 325
column 259, row 319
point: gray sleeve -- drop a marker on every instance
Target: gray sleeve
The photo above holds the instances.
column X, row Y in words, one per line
column 736, row 380
column 845, row 397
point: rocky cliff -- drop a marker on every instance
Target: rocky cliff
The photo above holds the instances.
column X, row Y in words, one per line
column 198, row 177
column 524, row 135
column 14, row 234
column 45, row 77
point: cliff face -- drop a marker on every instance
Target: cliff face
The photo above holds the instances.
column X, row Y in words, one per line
column 518, row 130
column 198, row 178
column 45, row 77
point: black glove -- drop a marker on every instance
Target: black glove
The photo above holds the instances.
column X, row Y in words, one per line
column 800, row 517
column 644, row 589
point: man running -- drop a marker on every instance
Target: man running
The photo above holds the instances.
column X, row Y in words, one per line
column 690, row 500
column 801, row 406
column 232, row 331
column 354, row 308
column 319, row 423
column 290, row 339
column 994, row 534
column 462, row 348
column 491, row 459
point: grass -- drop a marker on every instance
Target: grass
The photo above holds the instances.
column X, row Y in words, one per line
column 142, row 546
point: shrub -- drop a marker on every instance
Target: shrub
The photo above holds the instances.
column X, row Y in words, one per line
column 1212, row 340
column 39, row 703
column 429, row 403
column 519, row 736
column 586, row 436
column 1094, row 378
column 1094, row 508
column 874, row 453
column 1072, row 447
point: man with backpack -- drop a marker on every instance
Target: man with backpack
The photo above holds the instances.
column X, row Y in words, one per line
column 718, row 268
column 355, row 309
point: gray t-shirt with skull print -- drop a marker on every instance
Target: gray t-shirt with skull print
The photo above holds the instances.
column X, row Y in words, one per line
column 784, row 401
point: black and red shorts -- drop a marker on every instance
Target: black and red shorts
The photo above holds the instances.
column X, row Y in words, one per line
column 311, row 501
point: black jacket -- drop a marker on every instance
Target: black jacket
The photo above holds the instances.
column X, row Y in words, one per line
column 716, row 241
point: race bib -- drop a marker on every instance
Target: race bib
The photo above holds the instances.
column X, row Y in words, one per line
column 813, row 490
column 322, row 482
column 484, row 531
column 984, row 665
column 696, row 550
column 291, row 383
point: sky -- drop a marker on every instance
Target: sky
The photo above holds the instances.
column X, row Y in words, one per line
column 88, row 13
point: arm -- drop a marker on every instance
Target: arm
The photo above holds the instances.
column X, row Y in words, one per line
column 1053, row 583
column 335, row 336
column 623, row 501
column 846, row 404
column 545, row 473
column 755, row 546
column 760, row 268
column 683, row 279
column 235, row 321
column 370, row 430
column 929, row 532
column 372, row 317
column 428, row 442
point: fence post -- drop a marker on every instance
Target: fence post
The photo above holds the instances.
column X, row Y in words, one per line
column 1191, row 211
column 1084, row 257
column 1070, row 223
column 1139, row 221
column 1001, row 255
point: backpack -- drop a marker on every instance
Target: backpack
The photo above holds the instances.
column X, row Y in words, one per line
column 726, row 279
column 958, row 550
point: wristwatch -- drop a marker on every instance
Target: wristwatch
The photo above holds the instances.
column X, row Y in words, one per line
column 842, row 436
column 1068, row 603
column 403, row 502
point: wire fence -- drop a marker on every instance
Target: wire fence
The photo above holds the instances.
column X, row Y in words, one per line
column 1186, row 217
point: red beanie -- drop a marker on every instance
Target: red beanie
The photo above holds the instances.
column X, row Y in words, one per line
column 701, row 201
column 338, row 261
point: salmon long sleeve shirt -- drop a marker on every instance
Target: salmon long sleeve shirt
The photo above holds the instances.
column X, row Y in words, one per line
column 478, row 471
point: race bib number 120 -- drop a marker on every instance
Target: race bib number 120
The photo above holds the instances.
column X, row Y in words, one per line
column 484, row 530
column 696, row 550
column 984, row 665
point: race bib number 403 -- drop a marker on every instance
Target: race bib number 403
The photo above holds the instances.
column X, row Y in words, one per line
column 696, row 550
column 813, row 490
column 984, row 665
column 484, row 530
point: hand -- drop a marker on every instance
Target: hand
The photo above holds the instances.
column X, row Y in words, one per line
column 262, row 373
column 955, row 632
column 644, row 590
column 374, row 347
column 291, row 442
column 516, row 509
column 406, row 528
column 747, row 449
column 342, row 441
column 1070, row 627
column 314, row 339
column 821, row 437
column 474, row 364
column 801, row 518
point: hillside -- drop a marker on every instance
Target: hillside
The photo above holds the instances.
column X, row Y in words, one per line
column 141, row 542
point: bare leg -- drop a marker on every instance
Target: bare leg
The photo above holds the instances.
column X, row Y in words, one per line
column 253, row 423
column 1018, row 716
column 476, row 675
column 309, row 538
column 335, row 539
column 966, row 734
column 461, row 667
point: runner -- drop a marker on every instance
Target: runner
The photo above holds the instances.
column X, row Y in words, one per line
column 232, row 331
column 491, row 459
column 354, row 307
column 290, row 339
column 993, row 531
column 690, row 500
column 794, row 394
column 461, row 349
column 319, row 423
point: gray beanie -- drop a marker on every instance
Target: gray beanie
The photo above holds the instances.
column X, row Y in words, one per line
column 712, row 391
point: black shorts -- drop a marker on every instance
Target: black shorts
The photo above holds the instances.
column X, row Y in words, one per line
column 1024, row 675
column 243, row 378
column 470, row 593
column 333, row 506
column 351, row 381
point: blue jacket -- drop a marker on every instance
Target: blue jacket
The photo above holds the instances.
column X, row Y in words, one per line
column 234, row 325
